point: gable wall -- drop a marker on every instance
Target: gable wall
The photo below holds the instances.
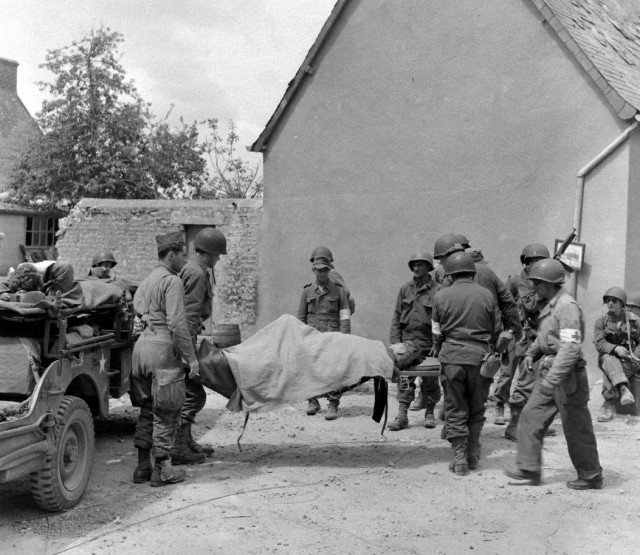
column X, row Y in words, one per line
column 424, row 118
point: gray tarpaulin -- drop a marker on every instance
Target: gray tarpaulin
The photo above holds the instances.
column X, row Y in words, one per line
column 288, row 362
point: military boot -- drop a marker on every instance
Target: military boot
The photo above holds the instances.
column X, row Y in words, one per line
column 142, row 473
column 459, row 465
column 332, row 411
column 607, row 412
column 512, row 427
column 164, row 474
column 626, row 397
column 419, row 403
column 313, row 407
column 429, row 418
column 473, row 446
column 401, row 421
column 181, row 454
column 197, row 447
column 498, row 417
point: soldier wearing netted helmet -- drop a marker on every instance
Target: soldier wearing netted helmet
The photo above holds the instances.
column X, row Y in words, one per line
column 563, row 385
column 411, row 323
column 465, row 328
column 616, row 335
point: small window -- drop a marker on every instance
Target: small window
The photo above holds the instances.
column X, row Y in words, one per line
column 41, row 231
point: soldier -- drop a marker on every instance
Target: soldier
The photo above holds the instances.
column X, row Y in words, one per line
column 209, row 244
column 157, row 377
column 633, row 302
column 325, row 307
column 529, row 306
column 56, row 278
column 465, row 327
column 412, row 322
column 615, row 336
column 324, row 252
column 563, row 386
column 102, row 264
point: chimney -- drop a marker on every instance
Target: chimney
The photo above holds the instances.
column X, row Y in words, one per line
column 9, row 75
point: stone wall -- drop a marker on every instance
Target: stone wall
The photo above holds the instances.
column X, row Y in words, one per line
column 128, row 228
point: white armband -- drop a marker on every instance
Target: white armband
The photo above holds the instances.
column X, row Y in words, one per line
column 569, row 335
column 435, row 327
column 345, row 314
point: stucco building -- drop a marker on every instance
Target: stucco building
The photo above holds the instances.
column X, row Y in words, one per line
column 412, row 119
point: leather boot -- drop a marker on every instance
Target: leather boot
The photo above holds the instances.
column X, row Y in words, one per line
column 197, row 447
column 181, row 454
column 419, row 403
column 498, row 417
column 142, row 473
column 313, row 407
column 164, row 474
column 582, row 483
column 607, row 412
column 332, row 412
column 401, row 421
column 626, row 397
column 512, row 427
column 459, row 465
column 429, row 418
column 473, row 446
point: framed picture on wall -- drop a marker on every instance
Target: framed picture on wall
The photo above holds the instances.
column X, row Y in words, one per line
column 573, row 256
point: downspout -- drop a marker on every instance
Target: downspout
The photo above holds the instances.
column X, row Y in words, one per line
column 577, row 218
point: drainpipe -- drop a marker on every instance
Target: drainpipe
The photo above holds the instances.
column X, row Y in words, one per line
column 577, row 218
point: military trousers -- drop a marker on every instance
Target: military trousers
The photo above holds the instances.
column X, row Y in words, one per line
column 615, row 372
column 502, row 389
column 158, row 388
column 524, row 383
column 196, row 396
column 465, row 394
column 570, row 399
column 430, row 388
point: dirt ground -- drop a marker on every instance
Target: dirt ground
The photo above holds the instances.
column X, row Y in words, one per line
column 306, row 485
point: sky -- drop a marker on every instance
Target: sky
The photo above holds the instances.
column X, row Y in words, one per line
column 228, row 59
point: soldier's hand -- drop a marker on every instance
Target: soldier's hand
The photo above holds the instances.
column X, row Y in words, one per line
column 621, row 352
column 433, row 352
column 528, row 363
column 194, row 368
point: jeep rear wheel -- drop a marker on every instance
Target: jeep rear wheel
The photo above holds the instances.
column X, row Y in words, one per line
column 60, row 484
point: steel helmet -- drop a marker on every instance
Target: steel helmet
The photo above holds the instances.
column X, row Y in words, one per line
column 104, row 256
column 633, row 299
column 447, row 244
column 424, row 256
column 547, row 269
column 459, row 263
column 322, row 252
column 535, row 250
column 617, row 293
column 211, row 240
column 462, row 240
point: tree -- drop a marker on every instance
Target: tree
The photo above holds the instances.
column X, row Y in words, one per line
column 100, row 138
column 233, row 177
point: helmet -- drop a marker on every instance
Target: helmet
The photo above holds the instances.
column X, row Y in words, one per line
column 421, row 255
column 535, row 250
column 462, row 240
column 617, row 293
column 104, row 256
column 547, row 269
column 633, row 299
column 211, row 240
column 324, row 252
column 447, row 244
column 459, row 263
